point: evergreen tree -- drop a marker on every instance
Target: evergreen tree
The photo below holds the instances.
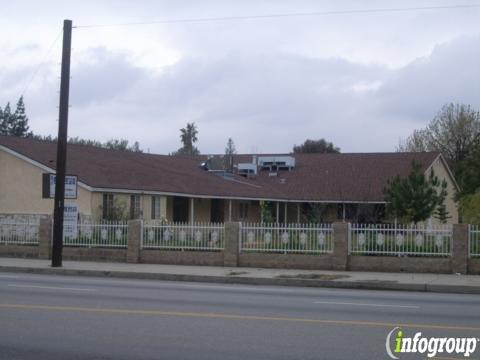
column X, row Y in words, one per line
column 15, row 124
column 414, row 198
column 6, row 120
column 19, row 124
column 441, row 212
column 230, row 149
column 468, row 173
column 3, row 128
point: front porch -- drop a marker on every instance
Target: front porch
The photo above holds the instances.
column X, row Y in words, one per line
column 185, row 209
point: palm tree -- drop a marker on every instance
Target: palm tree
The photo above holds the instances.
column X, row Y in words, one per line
column 188, row 136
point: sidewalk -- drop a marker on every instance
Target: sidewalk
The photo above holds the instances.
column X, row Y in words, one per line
column 446, row 283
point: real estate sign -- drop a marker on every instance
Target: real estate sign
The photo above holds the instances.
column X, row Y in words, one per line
column 48, row 186
column 70, row 220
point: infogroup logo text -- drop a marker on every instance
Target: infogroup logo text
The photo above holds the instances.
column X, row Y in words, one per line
column 431, row 346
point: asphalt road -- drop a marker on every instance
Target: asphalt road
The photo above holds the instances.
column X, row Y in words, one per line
column 57, row 317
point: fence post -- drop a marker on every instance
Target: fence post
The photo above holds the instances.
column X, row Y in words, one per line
column 460, row 249
column 45, row 238
column 232, row 244
column 340, row 245
column 134, row 242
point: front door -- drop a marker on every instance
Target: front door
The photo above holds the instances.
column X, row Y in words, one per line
column 180, row 209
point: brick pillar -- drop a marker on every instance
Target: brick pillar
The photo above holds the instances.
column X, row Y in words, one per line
column 340, row 245
column 134, row 240
column 232, row 244
column 45, row 233
column 460, row 249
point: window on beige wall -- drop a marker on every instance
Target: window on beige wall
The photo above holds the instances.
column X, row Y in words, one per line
column 107, row 206
column 155, row 207
column 134, row 206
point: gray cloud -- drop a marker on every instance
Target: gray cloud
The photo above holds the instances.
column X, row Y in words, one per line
column 449, row 74
column 105, row 76
column 266, row 101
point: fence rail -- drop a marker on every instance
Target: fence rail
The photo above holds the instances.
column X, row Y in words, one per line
column 19, row 232
column 398, row 240
column 287, row 238
column 104, row 234
column 474, row 240
column 183, row 236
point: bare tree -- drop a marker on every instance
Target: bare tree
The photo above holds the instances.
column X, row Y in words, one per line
column 453, row 131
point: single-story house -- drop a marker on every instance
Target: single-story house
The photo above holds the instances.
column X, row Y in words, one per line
column 296, row 188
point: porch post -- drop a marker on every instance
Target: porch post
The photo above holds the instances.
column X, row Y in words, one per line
column 192, row 210
column 285, row 212
column 278, row 212
column 230, row 210
column 343, row 212
column 298, row 213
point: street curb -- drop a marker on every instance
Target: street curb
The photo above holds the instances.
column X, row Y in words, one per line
column 339, row 284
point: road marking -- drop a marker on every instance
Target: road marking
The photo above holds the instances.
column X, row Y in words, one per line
column 50, row 287
column 232, row 316
column 367, row 304
column 236, row 288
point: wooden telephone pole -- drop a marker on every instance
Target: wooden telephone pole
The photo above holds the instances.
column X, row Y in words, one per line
column 57, row 245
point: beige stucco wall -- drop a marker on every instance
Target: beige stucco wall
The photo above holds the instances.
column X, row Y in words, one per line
column 441, row 172
column 201, row 209
column 21, row 189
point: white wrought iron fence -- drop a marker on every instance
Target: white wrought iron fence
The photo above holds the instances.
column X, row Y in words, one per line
column 104, row 234
column 474, row 240
column 14, row 232
column 183, row 236
column 400, row 240
column 287, row 238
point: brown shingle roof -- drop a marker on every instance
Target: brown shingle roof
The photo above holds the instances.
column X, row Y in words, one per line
column 316, row 177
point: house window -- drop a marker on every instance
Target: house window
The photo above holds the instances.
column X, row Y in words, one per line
column 107, row 206
column 134, row 206
column 155, row 207
column 243, row 211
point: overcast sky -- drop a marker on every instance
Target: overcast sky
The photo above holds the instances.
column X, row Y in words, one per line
column 362, row 81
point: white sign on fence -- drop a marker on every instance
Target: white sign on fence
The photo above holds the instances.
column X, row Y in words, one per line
column 70, row 220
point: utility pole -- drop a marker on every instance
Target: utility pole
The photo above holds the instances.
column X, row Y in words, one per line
column 57, row 245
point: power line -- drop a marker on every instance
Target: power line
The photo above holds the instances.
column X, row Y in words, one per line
column 315, row 13
column 42, row 62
